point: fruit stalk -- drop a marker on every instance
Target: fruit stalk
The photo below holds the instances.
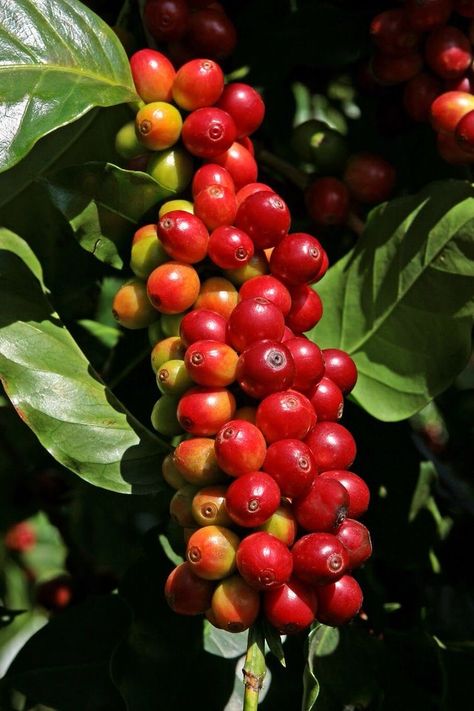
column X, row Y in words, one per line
column 255, row 668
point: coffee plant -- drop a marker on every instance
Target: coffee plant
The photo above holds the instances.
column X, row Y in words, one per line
column 237, row 383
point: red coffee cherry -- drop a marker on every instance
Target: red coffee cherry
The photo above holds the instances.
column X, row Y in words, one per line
column 264, row 562
column 158, row 125
column 196, row 461
column 265, row 218
column 183, row 235
column 253, row 320
column 153, row 75
column 463, row 83
column 359, row 494
column 323, row 507
column 319, row 558
column 390, row 70
column 166, row 19
column 464, row 133
column 392, row 33
column 252, row 498
column 268, row 287
column 208, row 507
column 21, row 537
column 211, row 552
column 256, row 266
column 327, row 201
column 217, row 294
column 464, row 7
column 235, row 605
column 202, row 411
column 339, row 602
column 427, row 15
column 450, row 150
column 332, row 444
column 240, row 163
column 282, row 524
column 449, row 108
column 356, row 538
column 296, row 259
column 250, row 189
column 265, row 367
column 211, row 174
column 306, row 309
column 247, row 143
column 198, row 83
column 285, row 415
column 369, row 177
column 308, row 360
column 340, row 368
column 327, row 400
column 216, row 206
column 187, row 594
column 448, row 52
column 207, row 132
column 291, row 463
column 419, row 94
column 131, row 306
column 211, row 363
column 245, row 105
column 212, row 33
column 173, row 287
column 324, row 267
column 55, row 594
column 201, row 325
column 290, row 608
column 229, row 247
column 240, row 447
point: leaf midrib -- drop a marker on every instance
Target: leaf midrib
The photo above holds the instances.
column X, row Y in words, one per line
column 66, row 69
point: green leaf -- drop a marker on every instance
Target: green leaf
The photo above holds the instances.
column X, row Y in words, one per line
column 401, row 303
column 422, row 493
column 57, row 61
column 273, row 639
column 224, row 644
column 103, row 203
column 108, row 336
column 55, row 391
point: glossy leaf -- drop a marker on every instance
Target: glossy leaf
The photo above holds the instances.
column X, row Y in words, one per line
column 322, row 641
column 57, row 61
column 56, row 392
column 401, row 303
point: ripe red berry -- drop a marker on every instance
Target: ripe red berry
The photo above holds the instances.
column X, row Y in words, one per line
column 240, row 163
column 153, row 75
column 20, row 537
column 339, row 602
column 250, row 189
column 187, row 594
column 369, row 177
column 268, row 287
column 448, row 52
column 427, row 15
column 212, row 33
column 285, row 415
column 173, row 287
column 211, row 174
column 263, row 561
column 245, row 105
column 327, row 400
column 183, row 235
column 390, row 70
column 240, row 447
column 359, row 494
column 235, row 605
column 229, row 247
column 319, row 558
column 252, row 498
column 392, row 33
column 196, row 461
column 308, row 360
column 217, row 294
column 296, row 259
column 55, row 594
column 419, row 94
column 282, row 524
column 198, row 83
column 211, row 552
column 306, row 309
column 465, row 132
column 158, row 125
column 291, row 463
column 166, row 19
column 323, row 507
column 450, row 150
column 202, row 411
column 211, row 363
column 327, row 201
column 340, row 368
column 464, row 7
column 264, row 217
column 449, row 108
column 290, row 608
column 356, row 539
column 265, row 367
column 200, row 325
column 253, row 320
column 215, row 206
column 207, row 132
column 333, row 446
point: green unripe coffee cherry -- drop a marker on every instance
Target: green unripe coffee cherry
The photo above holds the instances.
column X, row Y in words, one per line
column 163, row 416
column 155, row 332
column 146, row 255
column 158, row 125
column 127, row 144
column 170, row 323
column 176, row 205
column 315, row 142
column 173, row 378
column 131, row 306
column 171, row 348
column 171, row 474
column 172, row 169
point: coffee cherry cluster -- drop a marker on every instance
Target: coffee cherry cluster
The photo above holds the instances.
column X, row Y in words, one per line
column 190, row 28
column 428, row 45
column 264, row 491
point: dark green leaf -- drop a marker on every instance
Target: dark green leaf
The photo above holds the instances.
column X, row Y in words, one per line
column 401, row 303
column 57, row 61
column 54, row 390
column 273, row 639
column 102, row 203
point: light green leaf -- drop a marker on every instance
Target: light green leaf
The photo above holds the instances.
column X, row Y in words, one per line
column 401, row 303
column 57, row 61
column 55, row 391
